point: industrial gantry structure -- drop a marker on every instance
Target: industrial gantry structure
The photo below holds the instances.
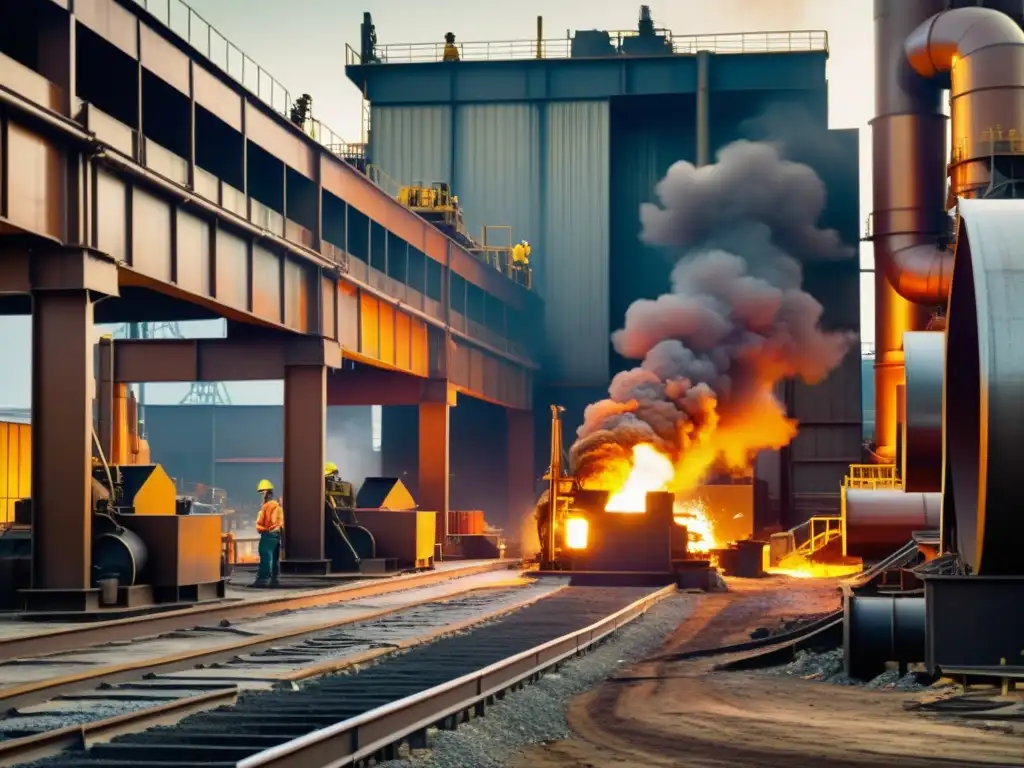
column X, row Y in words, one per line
column 142, row 183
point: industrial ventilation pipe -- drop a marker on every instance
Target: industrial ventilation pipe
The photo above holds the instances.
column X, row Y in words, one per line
column 921, row 48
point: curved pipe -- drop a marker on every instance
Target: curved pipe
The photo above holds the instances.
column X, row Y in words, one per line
column 982, row 51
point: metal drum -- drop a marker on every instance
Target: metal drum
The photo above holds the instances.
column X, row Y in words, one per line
column 119, row 555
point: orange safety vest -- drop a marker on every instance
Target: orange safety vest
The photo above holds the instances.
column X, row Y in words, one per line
column 270, row 518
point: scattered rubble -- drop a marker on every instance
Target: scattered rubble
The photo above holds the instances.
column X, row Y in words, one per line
column 827, row 667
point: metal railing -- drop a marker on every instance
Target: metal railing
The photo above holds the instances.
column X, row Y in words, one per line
column 204, row 37
column 872, row 476
column 181, row 19
column 815, row 533
column 561, row 48
column 993, row 141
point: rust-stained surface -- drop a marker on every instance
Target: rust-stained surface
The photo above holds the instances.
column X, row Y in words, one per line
column 434, row 468
column 305, row 435
column 373, row 386
column 165, row 360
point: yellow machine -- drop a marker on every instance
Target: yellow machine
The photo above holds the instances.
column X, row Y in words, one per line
column 435, row 203
column 440, row 207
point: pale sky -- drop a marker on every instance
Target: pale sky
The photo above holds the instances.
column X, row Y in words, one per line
column 301, row 43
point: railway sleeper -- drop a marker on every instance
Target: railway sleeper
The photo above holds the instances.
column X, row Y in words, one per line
column 193, row 754
column 88, row 762
column 225, row 738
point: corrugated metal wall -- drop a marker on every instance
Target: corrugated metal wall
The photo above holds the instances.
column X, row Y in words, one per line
column 497, row 169
column 541, row 170
column 574, row 263
column 412, row 143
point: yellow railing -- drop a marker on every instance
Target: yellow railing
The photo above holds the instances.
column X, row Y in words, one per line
column 872, row 476
column 994, row 141
column 560, row 48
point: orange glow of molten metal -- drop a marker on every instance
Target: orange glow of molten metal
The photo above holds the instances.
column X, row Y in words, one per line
column 694, row 515
column 798, row 567
column 652, row 471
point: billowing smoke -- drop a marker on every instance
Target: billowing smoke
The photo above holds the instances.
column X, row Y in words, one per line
column 734, row 324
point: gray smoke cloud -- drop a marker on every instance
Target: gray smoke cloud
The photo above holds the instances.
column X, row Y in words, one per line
column 734, row 323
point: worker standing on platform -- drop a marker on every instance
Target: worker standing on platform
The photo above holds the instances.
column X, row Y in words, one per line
column 451, row 53
column 521, row 260
column 270, row 526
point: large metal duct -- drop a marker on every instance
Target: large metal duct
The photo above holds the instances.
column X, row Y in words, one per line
column 921, row 442
column 878, row 629
column 984, row 397
column 876, row 523
column 917, row 44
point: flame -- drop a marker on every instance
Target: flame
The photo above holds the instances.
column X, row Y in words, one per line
column 651, row 470
column 694, row 515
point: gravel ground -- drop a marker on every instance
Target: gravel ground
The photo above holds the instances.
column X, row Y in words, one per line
column 536, row 714
column 827, row 667
column 81, row 714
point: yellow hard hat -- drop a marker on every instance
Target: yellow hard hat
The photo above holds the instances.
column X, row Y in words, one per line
column 265, row 485
column 330, row 468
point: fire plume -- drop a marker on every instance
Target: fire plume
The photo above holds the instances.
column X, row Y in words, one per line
column 650, row 470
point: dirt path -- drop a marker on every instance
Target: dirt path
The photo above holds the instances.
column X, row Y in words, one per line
column 685, row 715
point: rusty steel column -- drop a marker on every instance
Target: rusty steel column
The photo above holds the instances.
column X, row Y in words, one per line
column 305, row 435
column 433, row 465
column 62, row 393
column 521, row 471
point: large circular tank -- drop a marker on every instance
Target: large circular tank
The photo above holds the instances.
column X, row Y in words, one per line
column 118, row 554
column 984, row 395
column 879, row 522
column 924, row 357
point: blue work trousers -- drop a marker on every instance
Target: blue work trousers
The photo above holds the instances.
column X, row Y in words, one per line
column 270, row 557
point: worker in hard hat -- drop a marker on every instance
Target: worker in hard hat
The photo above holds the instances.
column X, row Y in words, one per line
column 270, row 527
column 451, row 53
column 521, row 254
column 331, row 469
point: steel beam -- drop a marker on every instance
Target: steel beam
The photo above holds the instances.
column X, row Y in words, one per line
column 373, row 386
column 434, row 468
column 27, row 265
column 305, row 435
column 252, row 359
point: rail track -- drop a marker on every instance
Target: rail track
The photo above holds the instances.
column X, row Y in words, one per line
column 277, row 649
column 69, row 638
column 344, row 719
